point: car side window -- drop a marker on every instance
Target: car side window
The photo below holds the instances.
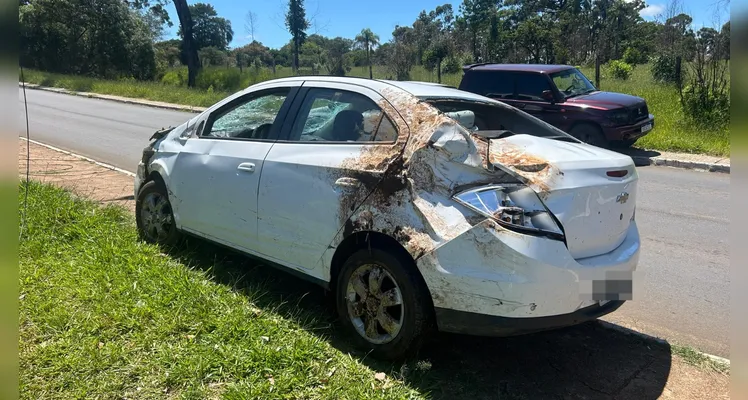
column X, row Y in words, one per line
column 250, row 118
column 334, row 115
column 531, row 87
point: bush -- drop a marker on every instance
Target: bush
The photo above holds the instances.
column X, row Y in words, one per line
column 664, row 69
column 706, row 107
column 619, row 69
column 221, row 79
column 451, row 65
column 633, row 56
column 175, row 77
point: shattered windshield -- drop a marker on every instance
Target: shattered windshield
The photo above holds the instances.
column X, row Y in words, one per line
column 572, row 82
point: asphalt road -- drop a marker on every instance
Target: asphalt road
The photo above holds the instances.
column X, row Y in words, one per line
column 682, row 216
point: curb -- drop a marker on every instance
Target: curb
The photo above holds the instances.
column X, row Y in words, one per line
column 670, row 162
column 629, row 331
column 119, row 99
column 99, row 163
column 638, row 160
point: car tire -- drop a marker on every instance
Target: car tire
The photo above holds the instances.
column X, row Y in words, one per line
column 154, row 216
column 589, row 134
column 362, row 316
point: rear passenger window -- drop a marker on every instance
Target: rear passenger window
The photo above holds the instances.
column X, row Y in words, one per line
column 495, row 84
column 333, row 115
column 531, row 87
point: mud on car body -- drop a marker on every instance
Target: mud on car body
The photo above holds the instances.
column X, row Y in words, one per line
column 420, row 206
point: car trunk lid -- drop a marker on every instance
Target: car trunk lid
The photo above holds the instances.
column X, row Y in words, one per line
column 592, row 191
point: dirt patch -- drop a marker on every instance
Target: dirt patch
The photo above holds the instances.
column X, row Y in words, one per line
column 537, row 170
column 82, row 177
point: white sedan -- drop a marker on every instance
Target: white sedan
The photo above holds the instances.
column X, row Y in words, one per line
column 420, row 206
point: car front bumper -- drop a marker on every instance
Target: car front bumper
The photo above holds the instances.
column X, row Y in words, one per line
column 139, row 179
column 631, row 132
column 493, row 281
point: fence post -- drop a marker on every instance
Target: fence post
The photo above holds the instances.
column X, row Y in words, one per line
column 597, row 71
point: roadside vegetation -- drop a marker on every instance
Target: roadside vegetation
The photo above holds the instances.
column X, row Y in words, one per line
column 119, row 48
column 673, row 131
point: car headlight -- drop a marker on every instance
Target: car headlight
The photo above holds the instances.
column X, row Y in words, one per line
column 620, row 116
column 514, row 206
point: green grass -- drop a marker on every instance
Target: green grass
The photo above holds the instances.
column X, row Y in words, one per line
column 127, row 88
column 697, row 358
column 673, row 131
column 103, row 315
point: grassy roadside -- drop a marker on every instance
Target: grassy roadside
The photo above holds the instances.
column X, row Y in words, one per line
column 103, row 315
column 127, row 88
column 673, row 131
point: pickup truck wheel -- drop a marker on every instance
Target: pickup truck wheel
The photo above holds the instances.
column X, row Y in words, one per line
column 589, row 134
column 154, row 216
column 383, row 304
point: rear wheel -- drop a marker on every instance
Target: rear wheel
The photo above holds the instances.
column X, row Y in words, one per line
column 383, row 303
column 589, row 134
column 154, row 216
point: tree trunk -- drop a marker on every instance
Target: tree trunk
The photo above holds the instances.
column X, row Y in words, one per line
column 190, row 49
column 475, row 46
column 296, row 55
column 439, row 71
column 368, row 60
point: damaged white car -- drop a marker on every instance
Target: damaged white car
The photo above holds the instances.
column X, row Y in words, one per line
column 420, row 206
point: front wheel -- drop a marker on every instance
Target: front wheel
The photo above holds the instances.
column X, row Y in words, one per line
column 154, row 216
column 589, row 134
column 383, row 303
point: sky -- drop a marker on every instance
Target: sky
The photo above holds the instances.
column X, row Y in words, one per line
column 346, row 18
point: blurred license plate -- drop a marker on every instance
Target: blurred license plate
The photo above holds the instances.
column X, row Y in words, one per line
column 646, row 128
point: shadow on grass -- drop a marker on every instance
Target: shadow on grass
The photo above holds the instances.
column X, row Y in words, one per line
column 586, row 361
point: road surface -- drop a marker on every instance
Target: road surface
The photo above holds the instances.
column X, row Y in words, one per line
column 682, row 216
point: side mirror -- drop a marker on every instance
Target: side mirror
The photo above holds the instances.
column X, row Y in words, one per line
column 548, row 95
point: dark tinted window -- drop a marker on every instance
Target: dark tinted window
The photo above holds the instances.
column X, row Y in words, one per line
column 496, row 84
column 531, row 87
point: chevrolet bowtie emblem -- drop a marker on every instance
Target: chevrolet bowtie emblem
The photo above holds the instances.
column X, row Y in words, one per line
column 622, row 198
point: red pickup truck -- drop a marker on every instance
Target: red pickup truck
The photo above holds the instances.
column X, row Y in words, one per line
column 563, row 97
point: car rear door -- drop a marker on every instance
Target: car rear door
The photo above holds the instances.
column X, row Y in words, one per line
column 306, row 188
column 217, row 174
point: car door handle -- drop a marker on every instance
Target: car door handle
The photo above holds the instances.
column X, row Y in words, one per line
column 348, row 182
column 247, row 166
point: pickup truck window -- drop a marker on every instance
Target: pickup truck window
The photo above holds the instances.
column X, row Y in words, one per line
column 531, row 86
column 572, row 83
column 494, row 84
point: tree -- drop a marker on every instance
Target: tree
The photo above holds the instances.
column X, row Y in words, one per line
column 367, row 40
column 401, row 53
column 106, row 39
column 250, row 23
column 724, row 34
column 336, row 50
column 297, row 25
column 208, row 28
column 189, row 47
